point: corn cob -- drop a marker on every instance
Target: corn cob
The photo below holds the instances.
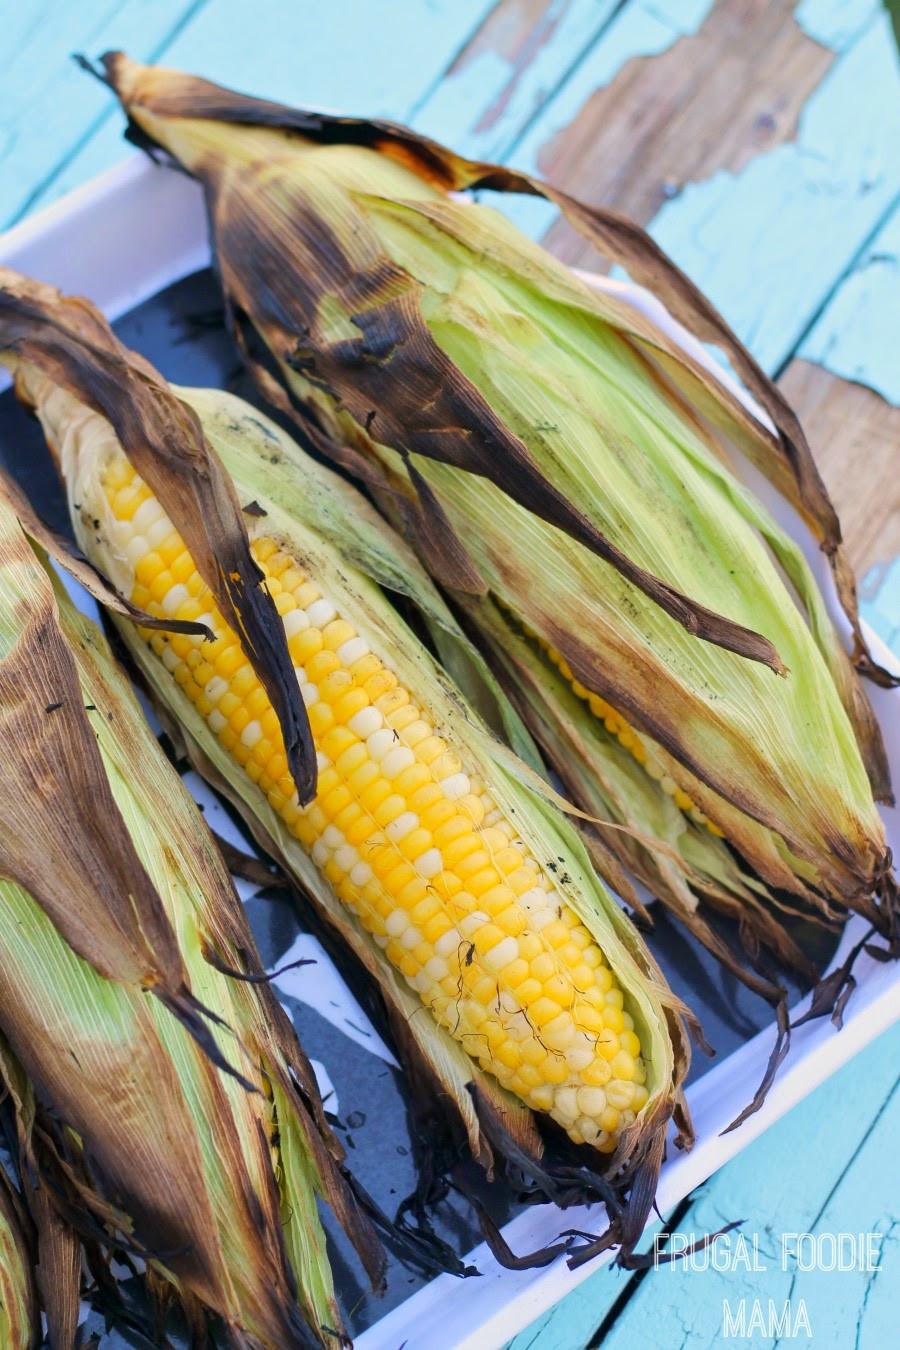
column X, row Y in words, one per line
column 153, row 1142
column 403, row 830
column 456, row 882
column 439, row 348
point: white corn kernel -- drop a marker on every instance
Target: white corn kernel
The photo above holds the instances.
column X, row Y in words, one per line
column 320, row 853
column 366, row 722
column 333, row 837
column 591, row 1101
column 309, row 692
column 456, row 786
column 401, row 827
column 436, row 968
column 470, row 925
column 410, row 938
column 169, row 659
column 429, row 863
column 251, row 734
column 294, row 622
column 321, row 612
column 345, row 857
column 396, row 760
column 215, row 688
column 360, row 872
column 352, row 650
column 147, row 514
column 448, row 942
column 136, row 549
column 174, row 598
column 565, row 1108
column 216, row 722
column 380, row 742
column 502, row 955
column 158, row 531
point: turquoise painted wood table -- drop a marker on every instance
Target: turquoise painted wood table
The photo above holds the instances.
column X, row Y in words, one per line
column 757, row 139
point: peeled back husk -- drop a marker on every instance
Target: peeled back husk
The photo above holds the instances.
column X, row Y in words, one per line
column 548, row 446
column 320, row 519
column 212, row 1178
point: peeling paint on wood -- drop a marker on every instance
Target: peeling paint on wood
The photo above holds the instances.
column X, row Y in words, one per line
column 855, row 437
column 49, row 110
column 714, row 100
column 825, row 1173
column 501, row 81
column 767, row 244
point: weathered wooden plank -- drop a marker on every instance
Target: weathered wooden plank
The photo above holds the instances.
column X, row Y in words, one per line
column 48, row 107
column 767, row 245
column 855, row 437
column 714, row 100
column 744, row 235
column 347, row 55
column 841, row 1132
column 515, row 62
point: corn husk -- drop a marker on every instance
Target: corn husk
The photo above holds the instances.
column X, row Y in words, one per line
column 19, row 1319
column 552, row 449
column 212, row 1178
column 325, row 522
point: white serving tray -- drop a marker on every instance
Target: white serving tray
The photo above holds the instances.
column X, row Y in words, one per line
column 120, row 239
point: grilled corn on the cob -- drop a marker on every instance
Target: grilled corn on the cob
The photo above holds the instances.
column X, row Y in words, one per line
column 455, row 881
column 430, row 347
column 192, row 1168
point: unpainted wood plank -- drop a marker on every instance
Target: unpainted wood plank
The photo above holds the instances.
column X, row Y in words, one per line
column 855, row 438
column 714, row 100
column 504, row 76
column 346, row 55
column 742, row 232
column 48, row 106
column 767, row 245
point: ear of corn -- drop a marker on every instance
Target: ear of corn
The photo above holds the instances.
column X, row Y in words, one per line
column 437, row 349
column 431, row 848
column 192, row 1168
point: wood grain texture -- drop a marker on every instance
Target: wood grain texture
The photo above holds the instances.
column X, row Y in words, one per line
column 520, row 56
column 714, row 100
column 855, row 437
column 821, row 1168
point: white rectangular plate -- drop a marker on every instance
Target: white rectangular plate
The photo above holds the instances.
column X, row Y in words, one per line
column 119, row 240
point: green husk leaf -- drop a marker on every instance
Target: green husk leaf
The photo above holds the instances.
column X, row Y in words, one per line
column 71, row 344
column 328, row 528
column 159, row 1148
column 564, row 440
column 19, row 1316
